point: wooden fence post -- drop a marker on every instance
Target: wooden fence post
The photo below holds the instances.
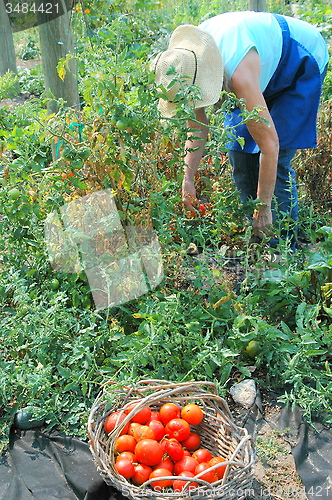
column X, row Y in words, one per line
column 258, row 5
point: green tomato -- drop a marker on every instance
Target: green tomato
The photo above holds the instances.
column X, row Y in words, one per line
column 54, row 284
column 121, row 125
column 252, row 349
column 84, row 153
column 77, row 163
column 13, row 194
column 69, row 153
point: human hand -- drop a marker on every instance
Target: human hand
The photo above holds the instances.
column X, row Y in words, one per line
column 262, row 222
column 189, row 194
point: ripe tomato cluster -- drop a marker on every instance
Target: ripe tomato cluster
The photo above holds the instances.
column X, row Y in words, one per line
column 158, row 444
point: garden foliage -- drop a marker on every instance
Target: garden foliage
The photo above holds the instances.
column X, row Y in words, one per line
column 56, row 349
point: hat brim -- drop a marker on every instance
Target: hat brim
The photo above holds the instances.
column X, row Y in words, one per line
column 210, row 67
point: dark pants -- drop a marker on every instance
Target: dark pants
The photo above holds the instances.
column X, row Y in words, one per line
column 285, row 202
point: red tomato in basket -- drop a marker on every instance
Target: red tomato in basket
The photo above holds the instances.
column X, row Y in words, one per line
column 174, row 449
column 168, row 411
column 165, row 463
column 192, row 442
column 141, row 473
column 209, row 476
column 114, row 419
column 125, row 442
column 142, row 417
column 177, row 428
column 143, row 432
column 202, row 455
column 161, row 483
column 127, row 455
column 220, row 471
column 157, row 428
column 125, row 468
column 148, row 451
column 179, row 484
column 186, row 463
column 155, row 415
column 192, row 413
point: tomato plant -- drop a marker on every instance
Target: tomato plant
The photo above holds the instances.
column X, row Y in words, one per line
column 143, row 432
column 126, row 455
column 174, row 449
column 165, row 463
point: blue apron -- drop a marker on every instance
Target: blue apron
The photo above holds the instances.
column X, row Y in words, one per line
column 292, row 97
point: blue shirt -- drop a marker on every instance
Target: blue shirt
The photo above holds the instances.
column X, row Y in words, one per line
column 293, row 58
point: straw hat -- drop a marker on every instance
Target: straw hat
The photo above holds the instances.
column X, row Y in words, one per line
column 194, row 54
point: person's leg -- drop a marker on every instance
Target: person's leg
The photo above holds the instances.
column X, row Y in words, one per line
column 285, row 205
column 245, row 173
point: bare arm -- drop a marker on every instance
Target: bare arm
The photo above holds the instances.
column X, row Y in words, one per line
column 245, row 84
column 193, row 158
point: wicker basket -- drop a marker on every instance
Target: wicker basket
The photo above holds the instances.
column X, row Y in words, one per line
column 218, row 433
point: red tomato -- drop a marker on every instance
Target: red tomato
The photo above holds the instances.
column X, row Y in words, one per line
column 155, row 415
column 177, row 428
column 192, row 442
column 141, row 473
column 148, row 451
column 220, row 471
column 163, row 444
column 157, row 428
column 174, row 449
column 210, row 476
column 114, row 419
column 132, row 427
column 143, row 432
column 142, row 416
column 201, row 209
column 127, row 455
column 165, row 463
column 124, row 443
column 192, row 413
column 163, row 483
column 186, row 453
column 186, row 463
column 202, row 455
column 168, row 411
column 125, row 468
column 179, row 484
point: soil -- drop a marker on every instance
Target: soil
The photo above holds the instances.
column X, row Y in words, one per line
column 20, row 98
column 275, row 475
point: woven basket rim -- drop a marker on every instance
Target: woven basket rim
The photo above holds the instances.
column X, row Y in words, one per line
column 153, row 392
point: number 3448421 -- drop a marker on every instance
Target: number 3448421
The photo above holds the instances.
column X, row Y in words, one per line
column 25, row 7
